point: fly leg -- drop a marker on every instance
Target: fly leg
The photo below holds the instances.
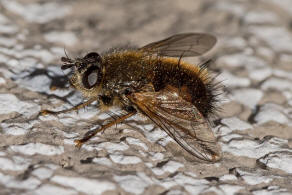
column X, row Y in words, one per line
column 91, row 133
column 79, row 106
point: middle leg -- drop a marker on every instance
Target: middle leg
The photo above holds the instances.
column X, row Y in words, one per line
column 91, row 133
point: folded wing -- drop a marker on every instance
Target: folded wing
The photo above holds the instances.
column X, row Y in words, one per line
column 182, row 45
column 181, row 120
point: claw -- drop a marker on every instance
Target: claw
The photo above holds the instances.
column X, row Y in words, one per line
column 78, row 143
column 44, row 112
column 53, row 88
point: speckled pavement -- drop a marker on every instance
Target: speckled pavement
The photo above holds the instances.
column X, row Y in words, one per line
column 254, row 128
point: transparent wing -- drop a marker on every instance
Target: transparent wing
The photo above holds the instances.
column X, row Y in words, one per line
column 181, row 120
column 185, row 45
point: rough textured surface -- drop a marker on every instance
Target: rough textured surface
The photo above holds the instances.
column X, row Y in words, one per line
column 253, row 55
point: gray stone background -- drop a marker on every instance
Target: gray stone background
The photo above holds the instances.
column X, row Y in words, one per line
column 253, row 57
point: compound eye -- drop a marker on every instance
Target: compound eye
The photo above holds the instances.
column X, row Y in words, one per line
column 93, row 56
column 91, row 77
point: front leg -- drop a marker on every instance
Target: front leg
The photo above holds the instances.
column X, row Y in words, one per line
column 79, row 106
